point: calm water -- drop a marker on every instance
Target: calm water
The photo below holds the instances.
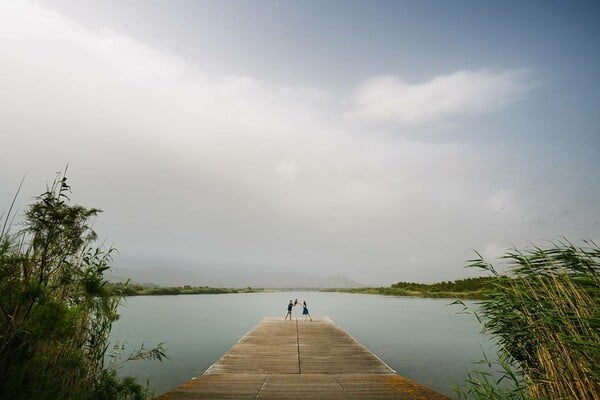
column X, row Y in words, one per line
column 422, row 339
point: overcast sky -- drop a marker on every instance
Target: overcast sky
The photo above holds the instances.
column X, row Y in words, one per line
column 383, row 141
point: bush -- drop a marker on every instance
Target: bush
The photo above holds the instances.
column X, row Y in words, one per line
column 55, row 311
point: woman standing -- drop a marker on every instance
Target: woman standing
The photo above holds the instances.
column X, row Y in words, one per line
column 305, row 311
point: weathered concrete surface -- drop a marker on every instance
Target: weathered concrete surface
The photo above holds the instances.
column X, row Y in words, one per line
column 300, row 360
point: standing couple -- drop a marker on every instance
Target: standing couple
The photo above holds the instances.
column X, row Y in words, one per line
column 304, row 310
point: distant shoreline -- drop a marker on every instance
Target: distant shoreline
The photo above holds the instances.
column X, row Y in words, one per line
column 470, row 288
column 128, row 290
column 383, row 291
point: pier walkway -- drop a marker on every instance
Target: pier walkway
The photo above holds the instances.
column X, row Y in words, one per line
column 300, row 360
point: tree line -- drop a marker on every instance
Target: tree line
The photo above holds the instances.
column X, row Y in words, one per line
column 469, row 288
column 128, row 289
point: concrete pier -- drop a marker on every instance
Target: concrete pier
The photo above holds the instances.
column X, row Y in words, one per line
column 300, row 360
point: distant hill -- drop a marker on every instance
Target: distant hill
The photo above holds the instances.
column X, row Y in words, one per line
column 173, row 276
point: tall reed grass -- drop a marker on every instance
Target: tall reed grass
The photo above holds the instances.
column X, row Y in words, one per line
column 544, row 314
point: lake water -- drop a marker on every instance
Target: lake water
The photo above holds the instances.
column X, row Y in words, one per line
column 426, row 340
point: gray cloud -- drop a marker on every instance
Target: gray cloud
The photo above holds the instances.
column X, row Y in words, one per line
column 236, row 172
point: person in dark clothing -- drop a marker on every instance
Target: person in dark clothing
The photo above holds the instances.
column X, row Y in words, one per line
column 289, row 311
column 305, row 311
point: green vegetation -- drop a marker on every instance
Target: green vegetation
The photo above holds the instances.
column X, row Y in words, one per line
column 470, row 288
column 544, row 315
column 55, row 310
column 126, row 289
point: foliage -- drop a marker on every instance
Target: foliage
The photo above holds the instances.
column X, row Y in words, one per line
column 125, row 289
column 545, row 318
column 470, row 288
column 494, row 380
column 55, row 310
column 461, row 285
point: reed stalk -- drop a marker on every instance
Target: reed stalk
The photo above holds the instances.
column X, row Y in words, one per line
column 544, row 315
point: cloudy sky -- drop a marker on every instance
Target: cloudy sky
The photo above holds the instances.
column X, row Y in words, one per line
column 383, row 141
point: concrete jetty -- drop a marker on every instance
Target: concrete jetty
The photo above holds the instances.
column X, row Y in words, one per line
column 300, row 360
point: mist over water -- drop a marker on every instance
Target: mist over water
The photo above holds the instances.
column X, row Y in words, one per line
column 426, row 340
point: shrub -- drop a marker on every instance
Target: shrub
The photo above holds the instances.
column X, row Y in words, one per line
column 55, row 311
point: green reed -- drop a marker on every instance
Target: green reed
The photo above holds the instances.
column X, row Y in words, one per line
column 544, row 315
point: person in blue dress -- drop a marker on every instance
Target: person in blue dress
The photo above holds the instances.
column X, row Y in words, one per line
column 305, row 311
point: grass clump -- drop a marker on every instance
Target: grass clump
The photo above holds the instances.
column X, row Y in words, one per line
column 544, row 315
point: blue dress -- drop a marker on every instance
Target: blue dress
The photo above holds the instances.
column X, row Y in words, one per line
column 305, row 310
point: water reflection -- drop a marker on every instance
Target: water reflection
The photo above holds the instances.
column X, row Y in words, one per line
column 422, row 339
